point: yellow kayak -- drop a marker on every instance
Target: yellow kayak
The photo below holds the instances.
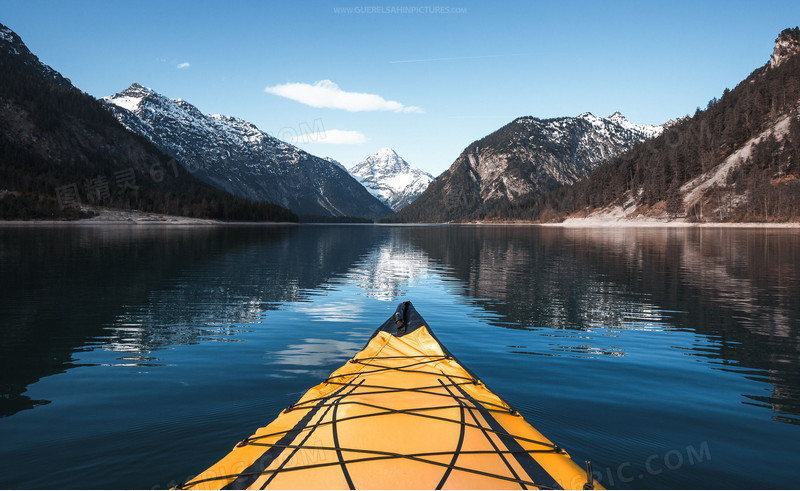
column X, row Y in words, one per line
column 403, row 413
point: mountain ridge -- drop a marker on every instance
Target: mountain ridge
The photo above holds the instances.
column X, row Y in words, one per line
column 61, row 151
column 16, row 47
column 522, row 159
column 234, row 155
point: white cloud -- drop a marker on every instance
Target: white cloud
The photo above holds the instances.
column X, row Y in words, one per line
column 183, row 65
column 328, row 94
column 334, row 137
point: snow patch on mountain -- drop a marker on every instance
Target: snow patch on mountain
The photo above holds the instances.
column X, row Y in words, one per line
column 647, row 130
column 6, row 34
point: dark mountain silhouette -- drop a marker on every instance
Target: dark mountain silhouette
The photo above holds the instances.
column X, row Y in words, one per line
column 60, row 150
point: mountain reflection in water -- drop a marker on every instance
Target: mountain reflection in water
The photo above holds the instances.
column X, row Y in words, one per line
column 281, row 306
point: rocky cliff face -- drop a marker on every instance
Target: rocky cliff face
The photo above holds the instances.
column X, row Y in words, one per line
column 234, row 155
column 390, row 178
column 786, row 46
column 523, row 159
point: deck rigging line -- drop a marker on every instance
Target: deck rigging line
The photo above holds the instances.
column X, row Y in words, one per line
column 454, row 391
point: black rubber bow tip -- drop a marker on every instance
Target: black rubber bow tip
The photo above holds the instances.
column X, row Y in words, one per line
column 399, row 322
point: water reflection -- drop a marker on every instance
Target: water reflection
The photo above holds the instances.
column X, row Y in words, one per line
column 390, row 267
column 311, row 355
column 135, row 291
column 330, row 311
column 738, row 288
column 735, row 287
column 529, row 277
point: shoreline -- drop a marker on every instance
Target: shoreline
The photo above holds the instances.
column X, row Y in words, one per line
column 199, row 222
column 611, row 224
column 658, row 224
column 133, row 223
column 108, row 217
column 112, row 217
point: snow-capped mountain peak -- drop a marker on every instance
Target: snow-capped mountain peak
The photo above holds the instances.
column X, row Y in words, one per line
column 617, row 117
column 387, row 153
column 390, row 178
column 131, row 97
column 383, row 162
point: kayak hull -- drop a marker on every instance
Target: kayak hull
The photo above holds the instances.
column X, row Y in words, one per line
column 403, row 413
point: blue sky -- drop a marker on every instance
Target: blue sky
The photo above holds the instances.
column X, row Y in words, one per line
column 425, row 78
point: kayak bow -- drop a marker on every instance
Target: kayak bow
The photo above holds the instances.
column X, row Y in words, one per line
column 403, row 413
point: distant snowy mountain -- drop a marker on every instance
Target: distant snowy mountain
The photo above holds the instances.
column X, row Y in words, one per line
column 390, row 178
column 234, row 155
column 522, row 160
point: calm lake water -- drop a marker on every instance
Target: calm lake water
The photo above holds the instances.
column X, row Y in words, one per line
column 135, row 357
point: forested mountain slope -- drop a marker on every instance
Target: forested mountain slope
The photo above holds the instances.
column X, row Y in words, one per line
column 736, row 160
column 60, row 150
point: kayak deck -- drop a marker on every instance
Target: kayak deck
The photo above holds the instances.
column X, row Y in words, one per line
column 402, row 414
